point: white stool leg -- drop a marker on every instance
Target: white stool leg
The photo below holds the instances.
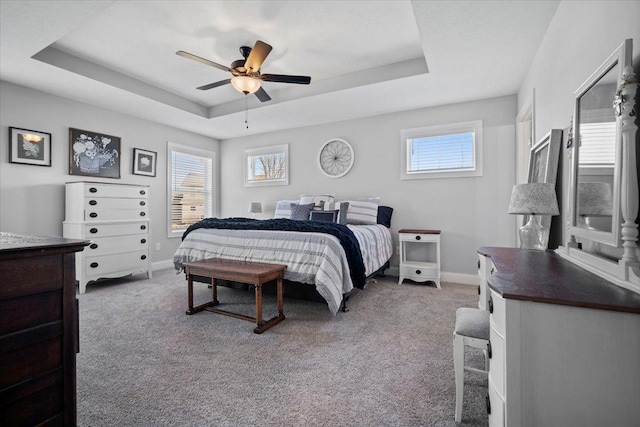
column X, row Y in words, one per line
column 458, row 365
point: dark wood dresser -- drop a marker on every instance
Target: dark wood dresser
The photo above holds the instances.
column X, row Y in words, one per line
column 38, row 330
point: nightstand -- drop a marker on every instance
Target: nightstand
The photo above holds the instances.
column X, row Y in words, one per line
column 420, row 268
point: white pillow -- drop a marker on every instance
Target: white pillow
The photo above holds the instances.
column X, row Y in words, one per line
column 283, row 208
column 362, row 211
column 328, row 200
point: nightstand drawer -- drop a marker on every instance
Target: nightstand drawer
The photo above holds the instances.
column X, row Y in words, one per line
column 420, row 270
column 414, row 237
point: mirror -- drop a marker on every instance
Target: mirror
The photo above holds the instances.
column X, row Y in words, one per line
column 597, row 146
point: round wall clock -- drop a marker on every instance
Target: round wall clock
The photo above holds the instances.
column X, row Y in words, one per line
column 336, row 158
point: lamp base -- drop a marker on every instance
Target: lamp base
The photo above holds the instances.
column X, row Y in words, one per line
column 534, row 236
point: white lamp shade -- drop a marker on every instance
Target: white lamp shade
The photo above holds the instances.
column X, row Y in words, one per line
column 255, row 207
column 245, row 84
column 595, row 199
column 534, row 199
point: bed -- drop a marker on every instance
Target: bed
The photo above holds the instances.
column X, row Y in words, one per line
column 334, row 258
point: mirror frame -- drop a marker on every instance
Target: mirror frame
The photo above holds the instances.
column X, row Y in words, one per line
column 622, row 58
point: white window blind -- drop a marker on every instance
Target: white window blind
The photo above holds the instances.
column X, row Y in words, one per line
column 442, row 151
column 596, row 149
column 190, row 187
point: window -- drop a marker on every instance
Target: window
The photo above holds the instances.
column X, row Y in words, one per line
column 267, row 166
column 190, row 186
column 443, row 151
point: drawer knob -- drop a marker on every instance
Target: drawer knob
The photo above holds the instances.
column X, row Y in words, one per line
column 93, row 202
column 489, row 352
column 142, row 203
column 93, row 264
column 143, row 241
column 418, row 237
column 478, row 289
column 93, row 231
column 93, row 246
column 490, row 304
column 143, row 227
column 93, row 215
column 142, row 214
column 478, row 264
column 488, row 405
column 142, row 192
column 418, row 272
column 492, row 270
column 143, row 257
column 93, row 190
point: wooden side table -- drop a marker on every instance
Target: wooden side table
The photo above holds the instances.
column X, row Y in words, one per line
column 419, row 270
column 252, row 273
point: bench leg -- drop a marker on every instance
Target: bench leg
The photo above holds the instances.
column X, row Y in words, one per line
column 262, row 325
column 192, row 309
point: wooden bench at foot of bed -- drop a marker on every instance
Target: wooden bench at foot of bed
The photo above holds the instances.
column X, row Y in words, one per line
column 251, row 273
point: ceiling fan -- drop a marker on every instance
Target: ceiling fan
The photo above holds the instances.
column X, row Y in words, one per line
column 246, row 72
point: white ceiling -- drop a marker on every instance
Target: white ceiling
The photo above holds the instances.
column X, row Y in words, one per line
column 365, row 57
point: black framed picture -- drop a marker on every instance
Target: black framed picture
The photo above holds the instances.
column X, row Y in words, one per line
column 93, row 154
column 29, row 147
column 144, row 162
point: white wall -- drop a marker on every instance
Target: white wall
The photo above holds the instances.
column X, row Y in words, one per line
column 32, row 197
column 471, row 212
column 580, row 37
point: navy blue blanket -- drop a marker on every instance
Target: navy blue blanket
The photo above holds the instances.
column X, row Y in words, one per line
column 342, row 232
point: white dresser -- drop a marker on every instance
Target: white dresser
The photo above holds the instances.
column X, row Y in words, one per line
column 115, row 217
column 564, row 343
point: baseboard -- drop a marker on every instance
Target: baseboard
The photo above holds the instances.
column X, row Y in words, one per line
column 161, row 265
column 461, row 278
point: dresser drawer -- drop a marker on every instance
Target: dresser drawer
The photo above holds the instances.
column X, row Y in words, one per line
column 495, row 407
column 105, row 209
column 498, row 312
column 105, row 230
column 425, row 270
column 497, row 366
column 117, row 244
column 95, row 266
column 483, row 290
column 117, row 191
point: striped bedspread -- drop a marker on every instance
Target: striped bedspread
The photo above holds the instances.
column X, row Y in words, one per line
column 314, row 258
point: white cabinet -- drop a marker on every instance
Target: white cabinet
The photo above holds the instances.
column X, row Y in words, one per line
column 415, row 261
column 115, row 217
column 564, row 344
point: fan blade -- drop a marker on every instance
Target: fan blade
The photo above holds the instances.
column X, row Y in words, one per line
column 202, row 60
column 216, row 84
column 262, row 95
column 257, row 56
column 283, row 78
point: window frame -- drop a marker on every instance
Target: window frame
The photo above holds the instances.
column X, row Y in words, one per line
column 406, row 135
column 174, row 147
column 259, row 151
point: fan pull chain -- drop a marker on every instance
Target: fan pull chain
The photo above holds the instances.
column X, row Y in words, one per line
column 246, row 110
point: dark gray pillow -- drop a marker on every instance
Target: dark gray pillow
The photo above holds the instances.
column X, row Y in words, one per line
column 342, row 214
column 301, row 212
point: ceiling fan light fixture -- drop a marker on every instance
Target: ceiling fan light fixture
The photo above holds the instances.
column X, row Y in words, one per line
column 245, row 84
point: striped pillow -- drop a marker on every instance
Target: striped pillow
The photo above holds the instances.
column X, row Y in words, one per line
column 363, row 211
column 328, row 200
column 283, row 208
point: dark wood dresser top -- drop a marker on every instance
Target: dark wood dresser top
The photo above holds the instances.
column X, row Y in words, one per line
column 10, row 242
column 546, row 277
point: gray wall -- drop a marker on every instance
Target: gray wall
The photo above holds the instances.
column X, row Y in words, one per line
column 32, row 197
column 579, row 39
column 471, row 212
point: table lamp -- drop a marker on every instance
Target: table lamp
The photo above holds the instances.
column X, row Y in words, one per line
column 254, row 208
column 534, row 199
column 594, row 200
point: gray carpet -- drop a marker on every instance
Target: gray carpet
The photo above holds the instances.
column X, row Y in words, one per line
column 387, row 362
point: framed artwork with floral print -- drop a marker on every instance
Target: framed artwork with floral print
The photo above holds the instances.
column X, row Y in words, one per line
column 144, row 162
column 93, row 154
column 30, row 147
